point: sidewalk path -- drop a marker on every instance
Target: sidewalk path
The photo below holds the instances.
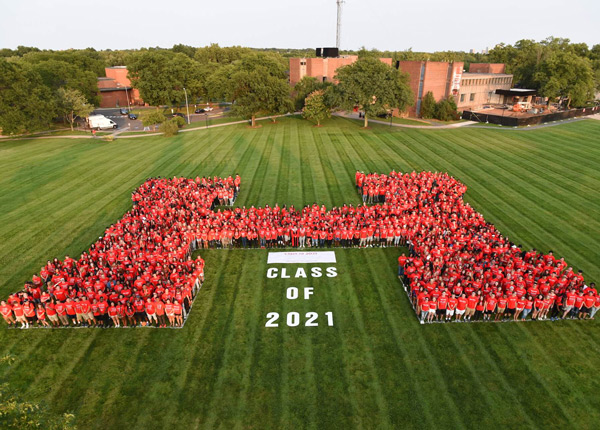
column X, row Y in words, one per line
column 470, row 124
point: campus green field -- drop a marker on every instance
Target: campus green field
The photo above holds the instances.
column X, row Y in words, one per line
column 376, row 367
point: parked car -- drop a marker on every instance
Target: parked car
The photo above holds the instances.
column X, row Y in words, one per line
column 200, row 111
column 132, row 116
column 178, row 114
column 123, row 111
column 100, row 122
column 208, row 109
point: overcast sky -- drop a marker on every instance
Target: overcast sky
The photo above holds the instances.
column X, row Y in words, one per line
column 423, row 25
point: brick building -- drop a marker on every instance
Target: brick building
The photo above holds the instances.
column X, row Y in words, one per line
column 116, row 87
column 479, row 89
column 441, row 78
column 322, row 68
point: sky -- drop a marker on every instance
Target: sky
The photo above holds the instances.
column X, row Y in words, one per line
column 421, row 25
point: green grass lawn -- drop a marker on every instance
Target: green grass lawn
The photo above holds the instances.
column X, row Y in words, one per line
column 376, row 367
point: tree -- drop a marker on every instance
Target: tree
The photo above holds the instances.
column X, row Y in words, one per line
column 71, row 104
column 161, row 76
column 428, row 106
column 306, row 86
column 26, row 104
column 445, row 110
column 17, row 414
column 153, row 117
column 315, row 108
column 256, row 83
column 169, row 127
column 374, row 86
column 564, row 74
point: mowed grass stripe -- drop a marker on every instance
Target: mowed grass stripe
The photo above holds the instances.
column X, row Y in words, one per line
column 547, row 226
column 353, row 375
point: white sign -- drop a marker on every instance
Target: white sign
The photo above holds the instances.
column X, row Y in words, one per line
column 301, row 257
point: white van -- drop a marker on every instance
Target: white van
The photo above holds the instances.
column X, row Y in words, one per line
column 101, row 122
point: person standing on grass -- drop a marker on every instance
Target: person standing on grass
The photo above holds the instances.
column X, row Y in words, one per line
column 479, row 309
column 490, row 306
column 461, row 307
column 432, row 309
column 151, row 311
column 528, row 307
column 596, row 307
column 51, row 313
column 41, row 315
column 569, row 302
column 502, row 302
column 424, row 309
column 7, row 313
column 538, row 307
column 520, row 307
column 113, row 313
column 29, row 312
column 169, row 311
column 451, row 307
column 178, row 310
column 471, row 305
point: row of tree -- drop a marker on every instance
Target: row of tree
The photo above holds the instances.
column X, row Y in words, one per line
column 38, row 87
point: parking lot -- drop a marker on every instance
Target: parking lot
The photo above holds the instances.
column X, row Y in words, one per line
column 126, row 124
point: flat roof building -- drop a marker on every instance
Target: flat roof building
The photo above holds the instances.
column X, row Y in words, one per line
column 443, row 79
column 116, row 87
column 321, row 68
column 479, row 89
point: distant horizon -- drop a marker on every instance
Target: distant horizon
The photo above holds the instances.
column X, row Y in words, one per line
column 386, row 25
column 475, row 50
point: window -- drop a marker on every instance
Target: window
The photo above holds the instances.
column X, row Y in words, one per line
column 303, row 63
column 462, row 98
column 472, row 97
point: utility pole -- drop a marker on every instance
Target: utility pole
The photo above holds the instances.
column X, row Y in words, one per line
column 187, row 107
column 339, row 23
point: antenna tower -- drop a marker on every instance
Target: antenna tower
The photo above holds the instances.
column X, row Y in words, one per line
column 339, row 23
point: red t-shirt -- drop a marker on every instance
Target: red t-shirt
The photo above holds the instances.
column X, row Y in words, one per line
column 462, row 304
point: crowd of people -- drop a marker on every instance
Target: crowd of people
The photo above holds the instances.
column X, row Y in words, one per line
column 459, row 266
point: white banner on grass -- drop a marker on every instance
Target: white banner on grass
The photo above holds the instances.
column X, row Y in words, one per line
column 301, row 257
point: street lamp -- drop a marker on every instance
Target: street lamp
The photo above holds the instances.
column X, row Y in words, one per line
column 186, row 105
column 206, row 116
column 127, row 97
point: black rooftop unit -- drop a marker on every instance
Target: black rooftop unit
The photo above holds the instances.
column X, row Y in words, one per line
column 328, row 52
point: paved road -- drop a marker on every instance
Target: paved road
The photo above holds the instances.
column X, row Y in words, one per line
column 126, row 124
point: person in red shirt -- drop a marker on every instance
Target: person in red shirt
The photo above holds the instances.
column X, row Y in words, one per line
column 471, row 305
column 479, row 309
column 170, row 312
column 588, row 304
column 442, row 305
column 41, row 315
column 451, row 307
column 501, row 310
column 20, row 314
column 7, row 313
column 113, row 313
column 512, row 305
column 569, row 302
column 538, row 307
column 520, row 306
column 151, row 311
column 528, row 307
column 51, row 313
column 432, row 309
column 178, row 310
column 424, row 310
column 461, row 307
column 160, row 312
column 29, row 312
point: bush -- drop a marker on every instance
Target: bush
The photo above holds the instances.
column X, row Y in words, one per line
column 428, row 106
column 179, row 121
column 169, row 128
column 446, row 110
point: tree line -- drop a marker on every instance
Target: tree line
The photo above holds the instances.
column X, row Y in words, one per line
column 41, row 87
